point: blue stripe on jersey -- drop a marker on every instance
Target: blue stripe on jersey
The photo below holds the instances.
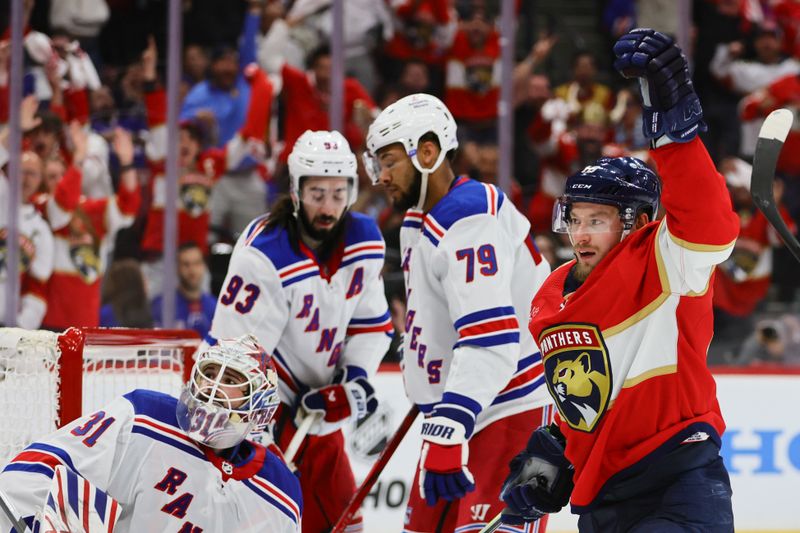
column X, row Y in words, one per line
column 274, row 244
column 100, row 500
column 519, row 393
column 62, row 454
column 368, row 321
column 254, row 224
column 490, row 340
column 360, row 228
column 275, row 503
column 412, row 224
column 352, row 372
column 72, row 492
column 431, row 237
column 484, row 314
column 525, row 362
column 276, row 471
column 147, row 432
column 210, row 339
column 465, row 199
column 292, row 281
column 156, row 405
column 34, row 468
column 463, row 401
column 277, row 355
column 352, row 260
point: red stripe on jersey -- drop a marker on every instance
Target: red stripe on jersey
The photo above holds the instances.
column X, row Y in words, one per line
column 37, row 457
column 428, row 222
column 412, row 214
column 112, row 516
column 273, row 491
column 165, row 429
column 284, row 376
column 492, row 200
column 363, row 248
column 354, row 330
column 297, row 269
column 489, row 327
column 61, row 507
column 537, row 257
column 85, row 506
column 526, row 377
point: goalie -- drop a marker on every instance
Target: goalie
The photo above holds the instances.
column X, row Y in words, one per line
column 175, row 464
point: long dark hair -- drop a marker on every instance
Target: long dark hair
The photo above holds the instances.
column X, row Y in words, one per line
column 282, row 215
column 124, row 290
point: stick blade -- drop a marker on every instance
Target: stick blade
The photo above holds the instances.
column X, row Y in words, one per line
column 777, row 125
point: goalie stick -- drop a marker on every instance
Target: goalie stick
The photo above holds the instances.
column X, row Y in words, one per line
column 297, row 439
column 375, row 471
column 768, row 147
column 12, row 514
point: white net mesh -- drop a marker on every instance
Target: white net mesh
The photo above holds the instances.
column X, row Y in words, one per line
column 114, row 362
column 28, row 388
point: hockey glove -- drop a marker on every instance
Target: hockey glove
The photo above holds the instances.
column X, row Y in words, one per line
column 339, row 403
column 443, row 471
column 671, row 106
column 540, row 478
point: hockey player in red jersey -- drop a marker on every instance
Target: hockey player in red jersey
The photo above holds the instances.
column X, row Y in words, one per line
column 625, row 326
column 470, row 270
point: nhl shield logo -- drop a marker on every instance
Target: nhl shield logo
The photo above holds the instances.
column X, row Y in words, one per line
column 578, row 373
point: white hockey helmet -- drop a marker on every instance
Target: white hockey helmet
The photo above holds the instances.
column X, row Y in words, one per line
column 323, row 154
column 405, row 122
column 207, row 411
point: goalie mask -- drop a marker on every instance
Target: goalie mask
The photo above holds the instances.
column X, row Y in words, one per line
column 232, row 391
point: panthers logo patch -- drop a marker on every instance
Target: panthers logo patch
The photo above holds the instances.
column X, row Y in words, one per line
column 578, row 373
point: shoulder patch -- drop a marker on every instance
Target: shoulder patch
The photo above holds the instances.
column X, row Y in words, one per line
column 274, row 244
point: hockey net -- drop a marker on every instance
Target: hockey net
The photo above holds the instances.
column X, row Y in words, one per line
column 49, row 379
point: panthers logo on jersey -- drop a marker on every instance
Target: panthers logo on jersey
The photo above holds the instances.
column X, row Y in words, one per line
column 86, row 261
column 578, row 373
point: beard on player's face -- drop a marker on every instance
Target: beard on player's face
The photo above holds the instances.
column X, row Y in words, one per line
column 409, row 198
column 322, row 227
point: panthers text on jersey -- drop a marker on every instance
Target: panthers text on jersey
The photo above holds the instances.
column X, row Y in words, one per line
column 135, row 451
column 471, row 269
column 625, row 354
column 313, row 318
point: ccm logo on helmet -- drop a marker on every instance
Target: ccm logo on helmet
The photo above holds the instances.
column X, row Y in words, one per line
column 581, row 186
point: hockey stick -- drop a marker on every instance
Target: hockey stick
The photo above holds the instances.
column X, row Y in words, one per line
column 768, row 147
column 297, row 439
column 493, row 525
column 12, row 514
column 375, row 471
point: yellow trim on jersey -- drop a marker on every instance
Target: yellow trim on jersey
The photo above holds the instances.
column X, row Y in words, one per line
column 640, row 315
column 661, row 371
column 662, row 269
column 705, row 290
column 697, row 247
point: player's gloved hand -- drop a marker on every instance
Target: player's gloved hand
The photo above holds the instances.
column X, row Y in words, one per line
column 443, row 471
column 540, row 478
column 671, row 106
column 340, row 402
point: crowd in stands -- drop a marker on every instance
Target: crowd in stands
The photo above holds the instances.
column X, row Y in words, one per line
column 256, row 74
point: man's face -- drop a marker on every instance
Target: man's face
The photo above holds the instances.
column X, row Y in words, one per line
column 768, row 48
column 322, row 204
column 232, row 389
column 53, row 170
column 31, row 168
column 584, row 71
column 594, row 230
column 191, row 269
column 224, row 71
column 188, row 148
column 44, row 142
column 398, row 176
column 322, row 74
column 195, row 61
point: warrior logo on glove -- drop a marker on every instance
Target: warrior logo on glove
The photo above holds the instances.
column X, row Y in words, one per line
column 578, row 373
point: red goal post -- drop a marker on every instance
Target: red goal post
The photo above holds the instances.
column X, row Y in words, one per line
column 49, row 379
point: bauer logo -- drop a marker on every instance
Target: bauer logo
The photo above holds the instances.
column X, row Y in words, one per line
column 578, row 373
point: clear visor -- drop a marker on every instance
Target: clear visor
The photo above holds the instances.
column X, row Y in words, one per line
column 372, row 166
column 335, row 193
column 566, row 220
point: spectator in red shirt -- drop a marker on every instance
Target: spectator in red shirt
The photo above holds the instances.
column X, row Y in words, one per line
column 306, row 97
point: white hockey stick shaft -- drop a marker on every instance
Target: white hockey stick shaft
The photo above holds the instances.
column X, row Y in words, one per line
column 298, row 437
column 493, row 525
column 11, row 513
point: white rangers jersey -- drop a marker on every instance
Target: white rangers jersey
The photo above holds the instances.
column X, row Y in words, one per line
column 135, row 451
column 36, row 261
column 313, row 319
column 471, row 270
